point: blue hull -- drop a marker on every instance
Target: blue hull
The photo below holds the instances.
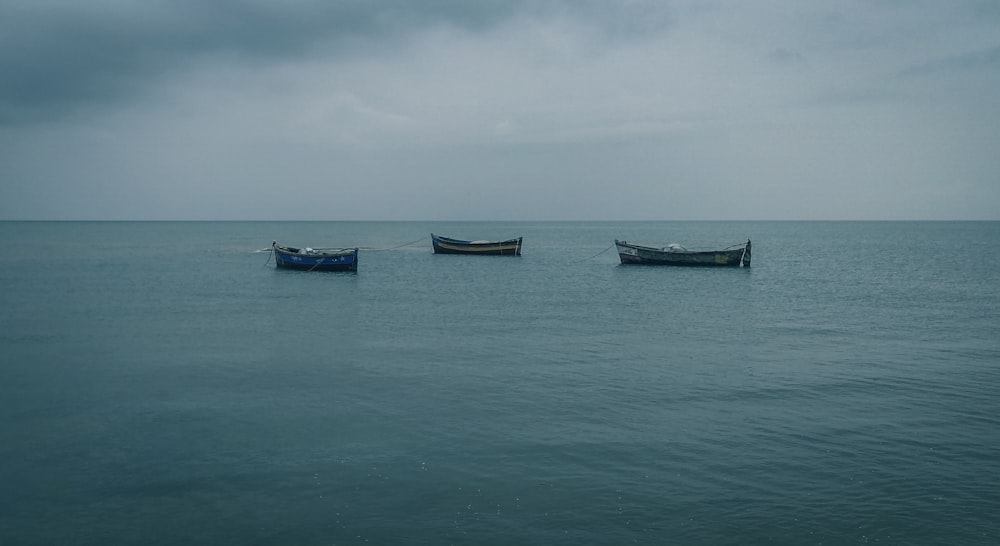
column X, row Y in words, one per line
column 315, row 260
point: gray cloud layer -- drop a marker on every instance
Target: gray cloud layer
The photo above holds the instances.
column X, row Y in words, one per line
column 64, row 55
column 438, row 110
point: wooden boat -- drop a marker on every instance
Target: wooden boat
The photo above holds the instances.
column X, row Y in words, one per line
column 734, row 256
column 315, row 259
column 446, row 245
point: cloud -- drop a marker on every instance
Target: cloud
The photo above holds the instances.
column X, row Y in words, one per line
column 236, row 109
column 980, row 61
column 64, row 56
column 60, row 57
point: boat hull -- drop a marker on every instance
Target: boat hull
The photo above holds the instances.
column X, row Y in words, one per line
column 315, row 260
column 631, row 254
column 446, row 245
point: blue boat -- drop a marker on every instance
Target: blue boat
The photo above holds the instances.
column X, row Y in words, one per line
column 315, row 259
column 447, row 245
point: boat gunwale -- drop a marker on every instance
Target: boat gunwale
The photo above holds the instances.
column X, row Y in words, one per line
column 462, row 242
column 316, row 253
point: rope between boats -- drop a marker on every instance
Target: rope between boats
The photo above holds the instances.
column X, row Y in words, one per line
column 596, row 255
column 400, row 246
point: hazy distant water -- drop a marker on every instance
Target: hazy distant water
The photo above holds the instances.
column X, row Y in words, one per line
column 162, row 383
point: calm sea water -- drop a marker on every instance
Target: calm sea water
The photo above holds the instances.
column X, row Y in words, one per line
column 163, row 383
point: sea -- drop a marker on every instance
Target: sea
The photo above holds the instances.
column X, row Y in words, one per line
column 164, row 383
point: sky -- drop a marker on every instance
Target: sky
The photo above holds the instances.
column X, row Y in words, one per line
column 499, row 110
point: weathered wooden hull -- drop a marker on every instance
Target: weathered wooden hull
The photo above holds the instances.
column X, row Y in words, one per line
column 644, row 255
column 446, row 245
column 345, row 259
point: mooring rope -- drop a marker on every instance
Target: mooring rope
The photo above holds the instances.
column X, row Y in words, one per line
column 596, row 255
column 395, row 247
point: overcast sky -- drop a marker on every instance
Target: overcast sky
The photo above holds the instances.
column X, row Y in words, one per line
column 499, row 110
